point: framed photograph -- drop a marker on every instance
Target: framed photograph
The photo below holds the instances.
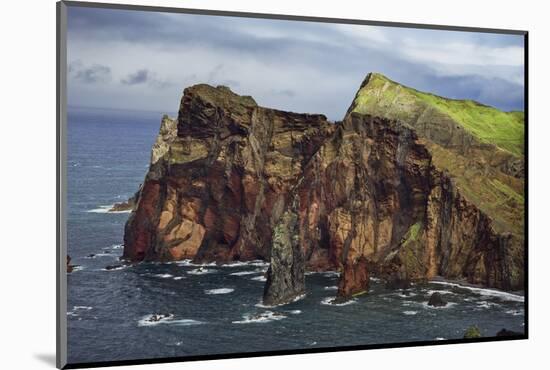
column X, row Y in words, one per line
column 234, row 184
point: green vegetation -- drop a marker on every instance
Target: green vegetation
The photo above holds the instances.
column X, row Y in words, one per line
column 472, row 332
column 489, row 125
column 413, row 233
column 411, row 249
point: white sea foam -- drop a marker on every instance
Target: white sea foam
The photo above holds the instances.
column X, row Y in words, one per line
column 116, row 246
column 188, row 262
column 263, row 317
column 259, row 278
column 329, row 301
column 121, row 267
column 439, row 338
column 295, row 299
column 333, row 287
column 77, row 308
column 374, row 279
column 245, row 263
column 219, row 291
column 485, row 304
column 107, row 209
column 485, row 291
column 163, row 276
column 442, row 292
column 112, row 255
column 201, row 271
column 295, row 312
column 410, row 313
column 178, row 277
column 448, row 305
column 515, row 312
column 155, row 319
column 243, row 273
column 403, row 295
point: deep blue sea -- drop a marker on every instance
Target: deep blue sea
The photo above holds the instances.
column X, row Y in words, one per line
column 216, row 309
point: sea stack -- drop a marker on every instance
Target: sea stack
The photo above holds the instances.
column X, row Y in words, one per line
column 285, row 279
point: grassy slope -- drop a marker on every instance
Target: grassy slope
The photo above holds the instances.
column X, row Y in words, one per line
column 497, row 194
column 490, row 125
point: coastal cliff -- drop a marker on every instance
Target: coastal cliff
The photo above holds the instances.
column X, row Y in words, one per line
column 407, row 187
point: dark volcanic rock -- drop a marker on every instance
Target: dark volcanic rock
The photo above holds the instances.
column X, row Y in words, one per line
column 114, row 267
column 70, row 267
column 508, row 333
column 354, row 279
column 437, row 300
column 285, row 277
column 123, row 206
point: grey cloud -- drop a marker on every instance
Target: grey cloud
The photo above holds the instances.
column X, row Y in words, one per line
column 136, row 78
column 285, row 92
column 273, row 51
column 144, row 76
column 90, row 75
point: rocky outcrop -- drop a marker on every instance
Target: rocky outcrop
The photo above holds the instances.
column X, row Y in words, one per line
column 285, row 278
column 69, row 267
column 436, row 300
column 393, row 195
column 124, row 206
column 354, row 280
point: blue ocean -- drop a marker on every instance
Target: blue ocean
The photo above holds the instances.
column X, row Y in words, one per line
column 217, row 309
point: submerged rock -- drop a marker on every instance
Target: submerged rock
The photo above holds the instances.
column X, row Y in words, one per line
column 436, row 300
column 285, row 276
column 472, row 332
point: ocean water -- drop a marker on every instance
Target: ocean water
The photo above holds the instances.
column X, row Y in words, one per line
column 217, row 309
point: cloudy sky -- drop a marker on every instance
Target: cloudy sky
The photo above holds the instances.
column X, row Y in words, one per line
column 143, row 60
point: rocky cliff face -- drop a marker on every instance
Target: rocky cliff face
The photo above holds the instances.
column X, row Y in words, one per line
column 380, row 193
column 219, row 178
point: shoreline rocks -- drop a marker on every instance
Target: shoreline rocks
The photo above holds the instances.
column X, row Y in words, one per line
column 124, row 206
column 436, row 300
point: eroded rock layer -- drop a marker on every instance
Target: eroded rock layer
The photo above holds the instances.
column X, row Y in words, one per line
column 219, row 178
column 230, row 180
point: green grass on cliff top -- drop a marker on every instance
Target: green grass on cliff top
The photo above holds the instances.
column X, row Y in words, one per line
column 490, row 125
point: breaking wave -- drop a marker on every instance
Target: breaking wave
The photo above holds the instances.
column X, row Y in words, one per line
column 159, row 319
column 106, row 209
column 485, row 291
column 329, row 301
column 219, row 291
column 263, row 317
